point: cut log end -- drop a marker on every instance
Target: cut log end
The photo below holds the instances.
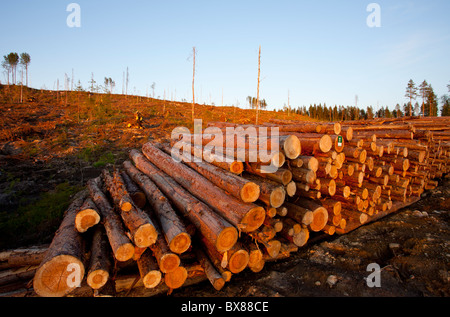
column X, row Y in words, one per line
column 253, row 219
column 126, row 206
column 308, row 218
column 152, row 279
column 250, row 192
column 180, row 243
column 176, row 278
column 277, row 197
column 325, row 143
column 58, row 276
column 124, row 252
column 97, row 279
column 86, row 219
column 238, row 261
column 320, row 219
column 236, row 167
column 145, row 236
column 226, row 239
column 292, row 147
column 139, row 199
column 301, row 238
column 273, row 248
column 278, row 159
column 291, row 189
column 169, row 262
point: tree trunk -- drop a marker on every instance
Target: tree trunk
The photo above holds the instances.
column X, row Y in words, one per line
column 215, row 228
column 235, row 185
column 214, row 277
column 245, row 216
column 135, row 219
column 121, row 245
column 136, row 194
column 100, row 266
column 172, row 226
column 88, row 216
column 148, row 270
column 272, row 193
column 62, row 268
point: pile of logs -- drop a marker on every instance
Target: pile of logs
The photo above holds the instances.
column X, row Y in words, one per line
column 178, row 218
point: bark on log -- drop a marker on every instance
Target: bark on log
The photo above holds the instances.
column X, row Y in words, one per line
column 135, row 193
column 214, row 277
column 141, row 228
column 215, row 228
column 148, row 270
column 235, row 185
column 245, row 216
column 100, row 264
column 121, row 245
column 172, row 226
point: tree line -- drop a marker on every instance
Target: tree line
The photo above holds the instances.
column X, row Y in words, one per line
column 428, row 106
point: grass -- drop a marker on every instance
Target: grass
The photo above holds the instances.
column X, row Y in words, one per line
column 37, row 220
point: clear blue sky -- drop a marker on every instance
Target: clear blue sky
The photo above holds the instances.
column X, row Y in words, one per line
column 321, row 51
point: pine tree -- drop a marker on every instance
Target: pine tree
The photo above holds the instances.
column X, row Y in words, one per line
column 423, row 90
column 411, row 93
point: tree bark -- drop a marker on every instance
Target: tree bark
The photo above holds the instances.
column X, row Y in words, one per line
column 135, row 219
column 62, row 268
column 245, row 216
column 215, row 228
column 235, row 185
column 172, row 226
column 148, row 270
column 100, row 266
column 121, row 245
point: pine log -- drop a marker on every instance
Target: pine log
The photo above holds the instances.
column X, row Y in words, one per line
column 217, row 159
column 172, row 227
column 121, row 245
column 88, row 216
column 215, row 228
column 281, row 175
column 135, row 192
column 235, row 185
column 320, row 214
column 62, row 268
column 272, row 193
column 23, row 257
column 303, row 175
column 148, row 270
column 245, row 216
column 309, row 162
column 299, row 214
column 141, row 228
column 176, row 278
column 100, row 265
column 214, row 277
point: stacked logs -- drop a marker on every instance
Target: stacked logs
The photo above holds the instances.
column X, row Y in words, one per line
column 177, row 211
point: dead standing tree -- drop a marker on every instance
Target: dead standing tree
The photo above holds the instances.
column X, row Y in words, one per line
column 193, row 78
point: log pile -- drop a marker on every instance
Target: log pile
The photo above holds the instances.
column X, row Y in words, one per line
column 180, row 216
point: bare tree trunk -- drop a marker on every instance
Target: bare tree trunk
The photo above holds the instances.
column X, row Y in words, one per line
column 257, row 91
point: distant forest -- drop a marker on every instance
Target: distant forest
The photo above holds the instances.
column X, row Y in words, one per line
column 427, row 105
